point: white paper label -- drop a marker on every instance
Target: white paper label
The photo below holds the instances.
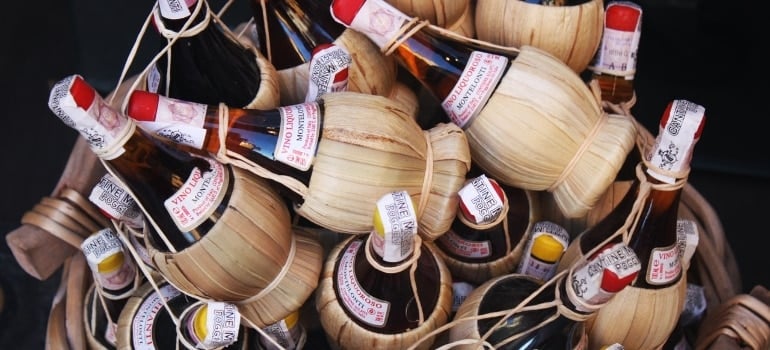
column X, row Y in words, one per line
column 180, row 121
column 399, row 221
column 587, row 280
column 481, row 200
column 198, row 197
column 618, row 50
column 299, row 135
column 223, row 321
column 664, row 266
column 379, row 21
column 676, row 139
column 143, row 323
column 285, row 332
column 116, row 202
column 531, row 265
column 460, row 292
column 460, row 246
column 100, row 246
column 477, row 82
column 153, row 79
column 361, row 304
column 328, row 72
column 173, row 9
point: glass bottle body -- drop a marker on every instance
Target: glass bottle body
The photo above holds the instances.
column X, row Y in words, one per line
column 295, row 28
column 390, row 294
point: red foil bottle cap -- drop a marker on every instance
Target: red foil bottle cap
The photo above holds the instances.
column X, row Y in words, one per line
column 82, row 93
column 143, row 105
column 345, row 11
column 623, row 17
column 464, row 207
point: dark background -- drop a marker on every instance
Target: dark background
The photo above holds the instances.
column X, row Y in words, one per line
column 707, row 52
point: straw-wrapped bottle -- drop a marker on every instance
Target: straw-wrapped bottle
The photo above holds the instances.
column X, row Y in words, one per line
column 216, row 232
column 531, row 122
column 337, row 155
column 386, row 290
column 457, row 16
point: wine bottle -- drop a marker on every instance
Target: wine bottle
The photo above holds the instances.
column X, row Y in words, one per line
column 283, row 140
column 205, row 63
column 328, row 71
column 579, row 294
column 376, row 283
column 544, row 249
column 115, row 277
column 614, row 64
column 289, row 30
column 160, row 176
column 495, row 95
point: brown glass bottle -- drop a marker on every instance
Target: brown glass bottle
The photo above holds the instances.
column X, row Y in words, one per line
column 478, row 244
column 209, row 66
column 294, row 28
column 160, row 175
column 654, row 238
column 115, row 276
column 360, row 286
column 594, row 283
column 259, row 135
column 614, row 64
column 443, row 66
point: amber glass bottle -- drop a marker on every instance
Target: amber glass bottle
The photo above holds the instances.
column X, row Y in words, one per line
column 456, row 73
column 115, row 276
column 373, row 278
column 183, row 194
column 479, row 233
column 283, row 140
column 654, row 238
column 614, row 64
column 289, row 30
column 205, row 64
column 592, row 285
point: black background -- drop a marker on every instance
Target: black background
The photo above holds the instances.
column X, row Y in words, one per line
column 707, row 52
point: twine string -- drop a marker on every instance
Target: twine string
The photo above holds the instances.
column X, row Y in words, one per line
column 587, row 142
column 279, row 277
column 405, row 32
column 427, row 182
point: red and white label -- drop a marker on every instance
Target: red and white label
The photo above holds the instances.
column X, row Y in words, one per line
column 116, row 202
column 143, row 323
column 354, row 298
column 481, row 200
column 379, row 21
column 180, row 121
column 476, row 84
column 664, row 266
column 460, row 246
column 328, row 72
column 299, row 135
column 198, row 197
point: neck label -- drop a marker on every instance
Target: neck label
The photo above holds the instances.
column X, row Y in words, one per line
column 198, row 197
column 299, row 135
column 476, row 84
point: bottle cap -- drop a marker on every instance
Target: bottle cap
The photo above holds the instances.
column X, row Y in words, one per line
column 345, row 11
column 199, row 322
column 547, row 248
column 621, row 266
column 481, row 200
column 143, row 105
column 342, row 75
column 82, row 92
column 623, row 16
column 111, row 263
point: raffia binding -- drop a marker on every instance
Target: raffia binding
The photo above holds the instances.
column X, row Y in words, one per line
column 742, row 317
column 70, row 217
column 587, row 142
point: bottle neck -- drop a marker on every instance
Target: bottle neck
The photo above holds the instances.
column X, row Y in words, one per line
column 289, row 30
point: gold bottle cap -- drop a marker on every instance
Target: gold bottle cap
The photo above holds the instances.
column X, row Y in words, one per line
column 199, row 322
column 547, row 248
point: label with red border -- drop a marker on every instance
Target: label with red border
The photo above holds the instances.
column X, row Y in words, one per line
column 476, row 84
column 354, row 298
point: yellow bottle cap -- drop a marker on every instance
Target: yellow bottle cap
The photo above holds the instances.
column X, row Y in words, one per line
column 111, row 263
column 292, row 319
column 199, row 322
column 547, row 248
